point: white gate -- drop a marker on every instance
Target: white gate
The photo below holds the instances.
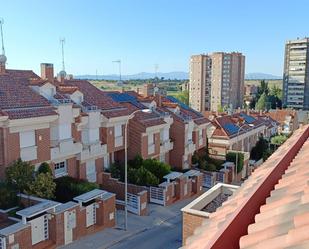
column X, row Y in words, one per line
column 90, row 215
column 2, row 243
column 69, row 224
column 185, row 189
column 39, row 229
column 133, row 204
column 207, row 181
column 157, row 195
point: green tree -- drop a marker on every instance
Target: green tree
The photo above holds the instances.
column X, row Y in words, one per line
column 261, row 104
column 259, row 149
column 157, row 168
column 43, row 186
column 183, row 97
column 278, row 140
column 44, row 168
column 145, row 177
column 231, row 157
column 8, row 197
column 263, row 88
column 20, row 175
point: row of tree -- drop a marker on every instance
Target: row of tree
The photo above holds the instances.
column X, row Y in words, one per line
column 267, row 98
column 142, row 172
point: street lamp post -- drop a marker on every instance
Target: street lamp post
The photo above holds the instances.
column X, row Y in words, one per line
column 126, row 163
column 236, row 164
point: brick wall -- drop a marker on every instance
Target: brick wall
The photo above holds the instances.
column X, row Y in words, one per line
column 177, row 133
column 71, row 167
column 107, row 136
column 21, row 238
column 77, row 135
column 42, row 138
column 189, row 224
column 115, row 186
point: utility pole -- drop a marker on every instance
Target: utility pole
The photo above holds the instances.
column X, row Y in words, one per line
column 119, row 64
column 62, row 41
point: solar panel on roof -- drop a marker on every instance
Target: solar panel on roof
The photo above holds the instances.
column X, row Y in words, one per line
column 124, row 97
column 184, row 106
column 247, row 118
column 231, row 128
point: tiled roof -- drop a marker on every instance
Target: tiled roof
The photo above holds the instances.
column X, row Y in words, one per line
column 232, row 123
column 197, row 117
column 282, row 223
column 19, row 100
column 30, row 112
column 67, row 89
column 22, row 74
column 280, row 115
column 95, row 96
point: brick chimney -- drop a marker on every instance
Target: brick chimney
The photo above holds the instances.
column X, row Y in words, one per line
column 47, row 72
column 2, row 63
column 158, row 99
column 2, row 68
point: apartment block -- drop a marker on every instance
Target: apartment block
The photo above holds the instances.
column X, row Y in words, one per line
column 296, row 74
column 79, row 129
column 216, row 80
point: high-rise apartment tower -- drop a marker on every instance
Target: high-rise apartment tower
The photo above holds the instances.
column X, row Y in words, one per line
column 296, row 74
column 216, row 80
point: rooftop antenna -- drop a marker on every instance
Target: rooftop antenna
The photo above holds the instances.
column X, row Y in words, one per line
column 119, row 64
column 62, row 41
column 2, row 43
column 156, row 67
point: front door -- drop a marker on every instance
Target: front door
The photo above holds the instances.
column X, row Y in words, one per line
column 69, row 224
column 39, row 229
column 90, row 215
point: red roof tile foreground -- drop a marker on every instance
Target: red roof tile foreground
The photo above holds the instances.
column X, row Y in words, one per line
column 284, row 220
column 282, row 223
column 18, row 100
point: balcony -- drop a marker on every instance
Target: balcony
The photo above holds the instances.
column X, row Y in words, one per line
column 92, row 150
column 28, row 153
column 118, row 141
column 64, row 148
column 166, row 146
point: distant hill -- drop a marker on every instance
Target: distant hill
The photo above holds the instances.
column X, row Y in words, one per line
column 170, row 75
column 142, row 75
column 261, row 76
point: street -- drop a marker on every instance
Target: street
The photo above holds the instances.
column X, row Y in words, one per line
column 167, row 235
column 161, row 228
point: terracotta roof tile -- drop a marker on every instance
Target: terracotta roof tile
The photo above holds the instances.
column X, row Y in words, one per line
column 283, row 222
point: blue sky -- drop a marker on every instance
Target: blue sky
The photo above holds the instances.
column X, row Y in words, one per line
column 144, row 32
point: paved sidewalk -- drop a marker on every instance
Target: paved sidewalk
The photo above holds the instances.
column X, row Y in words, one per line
column 159, row 218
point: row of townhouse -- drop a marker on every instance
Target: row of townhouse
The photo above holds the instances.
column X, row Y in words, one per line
column 239, row 132
column 79, row 129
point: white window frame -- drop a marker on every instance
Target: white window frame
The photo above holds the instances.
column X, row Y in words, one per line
column 60, row 169
column 94, row 135
column 65, row 131
column 27, row 139
column 150, row 139
column 118, row 130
